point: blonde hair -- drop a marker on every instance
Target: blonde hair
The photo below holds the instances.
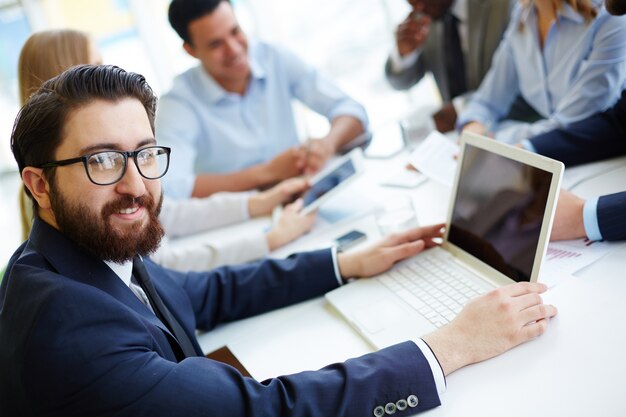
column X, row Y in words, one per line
column 45, row 55
column 583, row 7
column 48, row 53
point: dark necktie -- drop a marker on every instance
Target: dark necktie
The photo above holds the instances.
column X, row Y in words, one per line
column 455, row 62
column 185, row 347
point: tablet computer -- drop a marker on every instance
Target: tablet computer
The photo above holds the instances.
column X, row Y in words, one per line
column 331, row 179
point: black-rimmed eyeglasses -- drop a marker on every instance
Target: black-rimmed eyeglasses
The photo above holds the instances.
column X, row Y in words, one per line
column 108, row 167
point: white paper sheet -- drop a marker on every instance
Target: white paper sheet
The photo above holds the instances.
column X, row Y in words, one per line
column 435, row 157
column 568, row 257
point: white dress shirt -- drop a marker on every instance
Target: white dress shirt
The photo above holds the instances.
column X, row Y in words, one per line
column 185, row 217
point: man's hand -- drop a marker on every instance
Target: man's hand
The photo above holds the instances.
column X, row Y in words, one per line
column 263, row 203
column 291, row 225
column 313, row 154
column 391, row 249
column 491, row 324
column 445, row 118
column 283, row 166
column 568, row 220
column 476, row 127
column 412, row 32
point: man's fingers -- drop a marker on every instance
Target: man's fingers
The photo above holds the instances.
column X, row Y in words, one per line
column 295, row 207
column 406, row 250
column 525, row 301
column 533, row 330
column 520, row 288
column 294, row 185
column 538, row 312
column 431, row 231
column 430, row 243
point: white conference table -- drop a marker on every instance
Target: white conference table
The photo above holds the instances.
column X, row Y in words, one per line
column 574, row 369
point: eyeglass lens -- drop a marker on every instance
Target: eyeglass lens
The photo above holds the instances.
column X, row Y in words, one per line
column 108, row 167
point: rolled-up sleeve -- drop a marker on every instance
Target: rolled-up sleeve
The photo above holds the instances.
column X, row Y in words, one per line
column 318, row 92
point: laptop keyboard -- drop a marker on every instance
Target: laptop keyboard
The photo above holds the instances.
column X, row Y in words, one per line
column 432, row 286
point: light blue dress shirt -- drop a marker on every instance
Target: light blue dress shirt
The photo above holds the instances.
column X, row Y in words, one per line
column 211, row 130
column 580, row 71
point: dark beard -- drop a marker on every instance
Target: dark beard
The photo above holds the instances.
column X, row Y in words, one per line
column 95, row 234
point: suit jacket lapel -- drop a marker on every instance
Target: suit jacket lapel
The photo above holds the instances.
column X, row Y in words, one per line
column 71, row 261
column 436, row 58
column 477, row 16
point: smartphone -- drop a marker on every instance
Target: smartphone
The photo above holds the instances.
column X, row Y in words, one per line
column 350, row 239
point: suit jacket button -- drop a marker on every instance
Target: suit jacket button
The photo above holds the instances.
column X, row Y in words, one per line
column 379, row 411
column 412, row 401
column 390, row 408
column 401, row 405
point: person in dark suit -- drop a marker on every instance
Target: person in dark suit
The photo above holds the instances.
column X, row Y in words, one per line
column 90, row 327
column 599, row 137
column 453, row 39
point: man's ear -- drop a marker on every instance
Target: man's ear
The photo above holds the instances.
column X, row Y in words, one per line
column 38, row 186
column 190, row 49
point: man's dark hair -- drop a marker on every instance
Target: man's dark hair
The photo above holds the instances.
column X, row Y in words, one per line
column 38, row 128
column 616, row 7
column 183, row 12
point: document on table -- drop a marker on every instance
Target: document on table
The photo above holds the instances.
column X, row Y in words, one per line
column 436, row 158
column 570, row 256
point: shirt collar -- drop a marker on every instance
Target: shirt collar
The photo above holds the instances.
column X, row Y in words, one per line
column 123, row 271
column 568, row 12
column 214, row 92
column 459, row 10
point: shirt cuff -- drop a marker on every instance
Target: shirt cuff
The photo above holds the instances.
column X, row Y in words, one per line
column 590, row 219
column 440, row 380
column 528, row 145
column 400, row 63
column 333, row 251
column 244, row 205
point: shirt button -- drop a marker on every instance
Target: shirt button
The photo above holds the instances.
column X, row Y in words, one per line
column 412, row 401
column 390, row 408
column 379, row 411
column 401, row 405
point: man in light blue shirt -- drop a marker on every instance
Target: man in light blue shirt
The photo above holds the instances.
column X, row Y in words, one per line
column 567, row 71
column 230, row 121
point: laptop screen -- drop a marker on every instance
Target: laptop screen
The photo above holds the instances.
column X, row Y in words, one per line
column 498, row 211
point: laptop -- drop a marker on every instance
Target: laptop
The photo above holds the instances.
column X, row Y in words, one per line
column 498, row 225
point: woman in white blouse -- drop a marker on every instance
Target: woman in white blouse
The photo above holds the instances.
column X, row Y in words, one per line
column 186, row 217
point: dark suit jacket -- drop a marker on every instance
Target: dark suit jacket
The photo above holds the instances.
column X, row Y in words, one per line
column 599, row 137
column 75, row 341
column 486, row 22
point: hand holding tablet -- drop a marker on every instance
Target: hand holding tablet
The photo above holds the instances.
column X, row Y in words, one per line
column 331, row 179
